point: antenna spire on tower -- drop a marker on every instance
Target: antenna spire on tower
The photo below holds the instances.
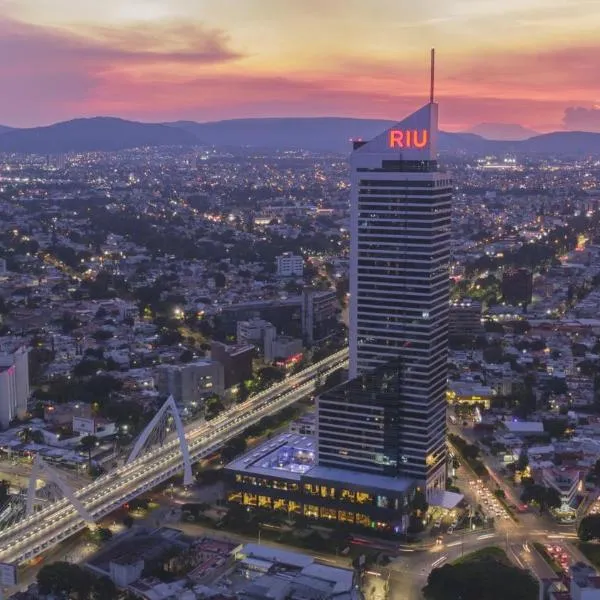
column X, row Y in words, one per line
column 432, row 82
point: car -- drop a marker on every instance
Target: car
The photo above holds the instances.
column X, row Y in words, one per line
column 438, row 523
column 450, row 529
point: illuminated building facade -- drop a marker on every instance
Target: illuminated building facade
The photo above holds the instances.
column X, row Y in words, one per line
column 399, row 301
column 282, row 476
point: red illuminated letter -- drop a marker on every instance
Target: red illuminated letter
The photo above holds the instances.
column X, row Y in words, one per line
column 407, row 138
column 420, row 143
column 396, row 138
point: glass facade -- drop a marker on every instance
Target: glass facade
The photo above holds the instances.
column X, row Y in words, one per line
column 399, row 303
column 322, row 500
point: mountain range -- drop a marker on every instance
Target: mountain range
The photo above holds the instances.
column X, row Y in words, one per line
column 325, row 134
column 98, row 133
column 508, row 132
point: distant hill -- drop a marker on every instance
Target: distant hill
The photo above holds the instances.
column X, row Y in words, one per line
column 319, row 134
column 4, row 129
column 325, row 134
column 570, row 143
column 98, row 133
column 332, row 134
column 502, row 131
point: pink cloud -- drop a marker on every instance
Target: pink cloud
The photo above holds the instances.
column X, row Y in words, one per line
column 49, row 74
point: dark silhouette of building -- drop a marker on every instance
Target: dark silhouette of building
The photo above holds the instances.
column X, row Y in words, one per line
column 236, row 361
column 517, row 286
column 464, row 319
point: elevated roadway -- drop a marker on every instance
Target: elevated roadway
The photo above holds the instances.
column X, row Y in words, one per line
column 45, row 529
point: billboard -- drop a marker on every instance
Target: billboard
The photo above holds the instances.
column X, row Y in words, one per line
column 83, row 425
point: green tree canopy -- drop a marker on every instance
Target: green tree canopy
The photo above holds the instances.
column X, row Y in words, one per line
column 589, row 528
column 486, row 578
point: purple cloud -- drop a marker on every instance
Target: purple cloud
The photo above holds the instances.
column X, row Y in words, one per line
column 578, row 118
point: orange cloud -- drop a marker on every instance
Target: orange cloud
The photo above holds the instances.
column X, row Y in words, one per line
column 179, row 70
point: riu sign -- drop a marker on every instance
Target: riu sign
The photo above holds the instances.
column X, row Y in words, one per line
column 408, row 138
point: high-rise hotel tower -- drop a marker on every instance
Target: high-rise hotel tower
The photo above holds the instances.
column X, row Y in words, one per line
column 399, row 301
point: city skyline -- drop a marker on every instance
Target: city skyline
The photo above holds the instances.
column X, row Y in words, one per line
column 528, row 62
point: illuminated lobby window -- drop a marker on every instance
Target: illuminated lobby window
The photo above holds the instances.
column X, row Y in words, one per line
column 327, row 492
column 310, row 510
column 249, row 499
column 328, row 513
column 363, row 520
column 294, row 507
column 363, row 498
column 264, row 501
column 280, row 504
column 234, row 497
column 346, row 517
column 348, row 495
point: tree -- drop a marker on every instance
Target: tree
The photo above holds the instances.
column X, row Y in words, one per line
column 128, row 521
column 220, row 280
column 493, row 354
column 243, row 391
column 87, row 367
column 186, row 356
column 64, row 579
column 89, row 443
column 523, row 460
column 555, row 428
column 101, row 335
column 31, row 435
column 489, row 577
column 4, row 491
column 104, row 589
column 589, row 528
column 544, row 497
column 103, row 534
column 419, row 503
column 269, row 375
column 234, row 447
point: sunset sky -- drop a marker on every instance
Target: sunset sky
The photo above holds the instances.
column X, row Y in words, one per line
column 533, row 62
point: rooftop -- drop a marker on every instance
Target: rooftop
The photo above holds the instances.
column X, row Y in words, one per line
column 289, row 455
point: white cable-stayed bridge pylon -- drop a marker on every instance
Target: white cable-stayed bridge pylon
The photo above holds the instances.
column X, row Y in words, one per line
column 42, row 470
column 156, row 433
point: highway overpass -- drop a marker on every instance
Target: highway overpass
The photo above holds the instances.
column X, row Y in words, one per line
column 56, row 522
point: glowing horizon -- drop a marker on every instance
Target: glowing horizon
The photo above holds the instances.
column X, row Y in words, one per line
column 527, row 62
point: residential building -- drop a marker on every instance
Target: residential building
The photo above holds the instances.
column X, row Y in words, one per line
column 290, row 265
column 14, row 385
column 282, row 348
column 585, row 582
column 470, row 392
column 567, row 482
column 259, row 332
column 236, row 361
column 192, row 382
column 464, row 318
column 319, row 314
